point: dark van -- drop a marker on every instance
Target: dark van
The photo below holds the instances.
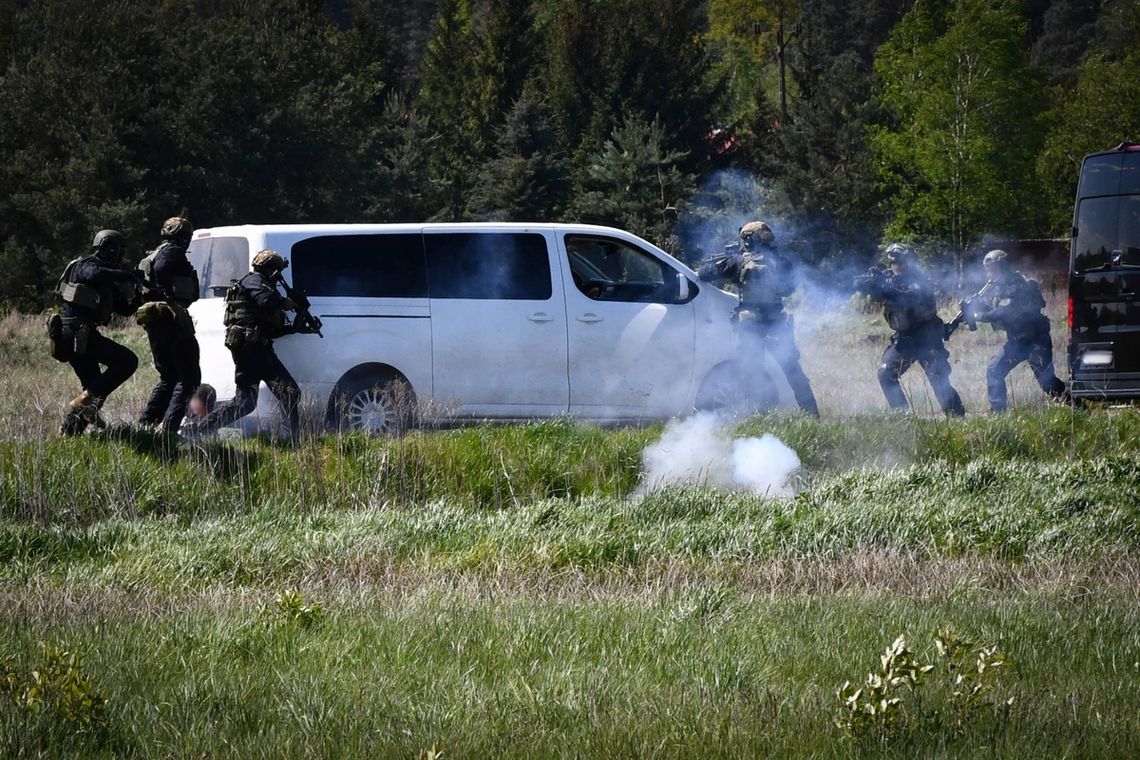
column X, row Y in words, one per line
column 1104, row 277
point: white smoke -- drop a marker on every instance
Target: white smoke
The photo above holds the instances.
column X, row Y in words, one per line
column 699, row 451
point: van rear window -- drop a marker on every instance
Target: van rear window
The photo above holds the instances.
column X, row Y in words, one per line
column 361, row 266
column 501, row 266
column 1111, row 174
column 218, row 260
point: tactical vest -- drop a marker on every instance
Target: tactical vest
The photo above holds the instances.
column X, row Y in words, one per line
column 761, row 282
column 906, row 317
column 185, row 288
column 240, row 308
column 99, row 300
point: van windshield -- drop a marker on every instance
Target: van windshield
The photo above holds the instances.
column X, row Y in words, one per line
column 218, row 260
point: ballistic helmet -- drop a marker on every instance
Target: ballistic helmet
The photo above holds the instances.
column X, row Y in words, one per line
column 897, row 253
column 757, row 235
column 996, row 259
column 269, row 262
column 178, row 229
column 109, row 245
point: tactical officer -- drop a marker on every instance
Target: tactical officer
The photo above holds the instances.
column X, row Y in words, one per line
column 255, row 315
column 170, row 285
column 764, row 277
column 1014, row 305
column 911, row 311
column 93, row 288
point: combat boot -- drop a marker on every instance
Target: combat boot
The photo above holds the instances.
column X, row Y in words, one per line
column 83, row 411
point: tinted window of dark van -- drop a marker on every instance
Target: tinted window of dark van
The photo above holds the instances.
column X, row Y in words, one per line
column 218, row 260
column 361, row 266
column 501, row 266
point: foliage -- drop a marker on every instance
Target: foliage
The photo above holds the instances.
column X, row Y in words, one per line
column 290, row 608
column 877, row 707
column 963, row 133
column 635, row 183
column 527, row 178
column 948, row 697
column 52, row 702
column 1100, row 112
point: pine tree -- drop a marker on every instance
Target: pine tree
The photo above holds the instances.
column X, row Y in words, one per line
column 635, row 182
column 448, row 101
column 528, row 177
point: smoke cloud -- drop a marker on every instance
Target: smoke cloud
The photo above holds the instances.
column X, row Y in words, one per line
column 699, row 451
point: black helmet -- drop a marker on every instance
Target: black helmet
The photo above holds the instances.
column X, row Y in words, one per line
column 178, row 229
column 897, row 253
column 757, row 235
column 996, row 259
column 269, row 262
column 109, row 245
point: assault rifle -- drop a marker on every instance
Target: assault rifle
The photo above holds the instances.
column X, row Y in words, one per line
column 966, row 311
column 305, row 320
column 719, row 258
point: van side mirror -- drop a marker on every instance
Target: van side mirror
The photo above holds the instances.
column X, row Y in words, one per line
column 682, row 288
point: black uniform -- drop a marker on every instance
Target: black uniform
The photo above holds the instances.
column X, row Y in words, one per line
column 94, row 289
column 911, row 311
column 764, row 278
column 255, row 315
column 171, row 286
column 1014, row 305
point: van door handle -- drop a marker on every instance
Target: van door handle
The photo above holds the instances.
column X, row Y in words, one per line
column 541, row 317
column 589, row 317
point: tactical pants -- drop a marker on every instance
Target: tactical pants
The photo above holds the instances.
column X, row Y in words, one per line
column 1035, row 349
column 925, row 347
column 119, row 360
column 254, row 363
column 777, row 337
column 176, row 357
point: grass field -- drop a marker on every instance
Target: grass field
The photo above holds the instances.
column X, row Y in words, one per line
column 507, row 592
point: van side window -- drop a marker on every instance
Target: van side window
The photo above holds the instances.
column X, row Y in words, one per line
column 606, row 269
column 361, row 266
column 500, row 266
column 217, row 261
column 1105, row 226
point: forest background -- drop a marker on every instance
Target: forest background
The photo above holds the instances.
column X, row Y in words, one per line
column 938, row 122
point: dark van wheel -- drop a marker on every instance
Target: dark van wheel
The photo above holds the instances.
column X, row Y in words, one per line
column 378, row 404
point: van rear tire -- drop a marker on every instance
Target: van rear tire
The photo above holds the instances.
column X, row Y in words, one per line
column 377, row 404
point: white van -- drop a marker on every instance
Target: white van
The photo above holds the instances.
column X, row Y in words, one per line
column 478, row 321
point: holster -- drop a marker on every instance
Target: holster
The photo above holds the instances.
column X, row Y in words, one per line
column 238, row 337
column 61, row 347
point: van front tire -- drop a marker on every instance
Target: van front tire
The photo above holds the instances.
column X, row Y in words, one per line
column 380, row 403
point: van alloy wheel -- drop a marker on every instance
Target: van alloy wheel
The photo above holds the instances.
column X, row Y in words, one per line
column 377, row 404
column 372, row 411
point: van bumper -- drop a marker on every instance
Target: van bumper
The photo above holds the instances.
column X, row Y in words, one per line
column 1122, row 386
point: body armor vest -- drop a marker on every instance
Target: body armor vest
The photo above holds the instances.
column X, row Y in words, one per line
column 99, row 300
column 184, row 288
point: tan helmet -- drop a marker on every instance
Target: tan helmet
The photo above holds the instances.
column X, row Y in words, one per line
column 178, row 229
column 269, row 262
column 756, row 235
column 996, row 259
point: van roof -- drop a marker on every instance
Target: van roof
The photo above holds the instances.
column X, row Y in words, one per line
column 327, row 227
